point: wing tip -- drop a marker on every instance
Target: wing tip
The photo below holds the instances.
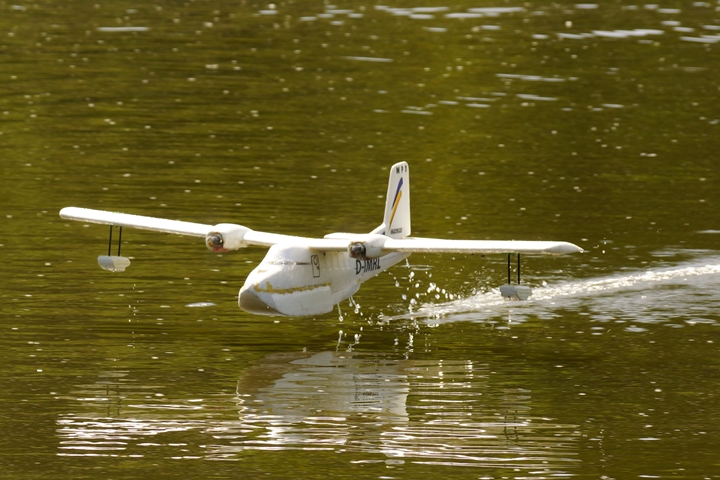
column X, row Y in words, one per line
column 69, row 213
column 564, row 248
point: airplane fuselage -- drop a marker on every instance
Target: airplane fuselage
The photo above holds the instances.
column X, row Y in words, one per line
column 297, row 280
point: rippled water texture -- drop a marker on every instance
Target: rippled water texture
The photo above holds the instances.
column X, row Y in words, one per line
column 591, row 123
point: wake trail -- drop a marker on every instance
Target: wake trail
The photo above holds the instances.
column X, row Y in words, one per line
column 567, row 292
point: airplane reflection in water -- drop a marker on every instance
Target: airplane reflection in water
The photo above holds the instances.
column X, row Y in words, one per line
column 303, row 385
column 417, row 411
column 376, row 409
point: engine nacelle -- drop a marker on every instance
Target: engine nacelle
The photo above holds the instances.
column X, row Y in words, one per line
column 366, row 246
column 226, row 236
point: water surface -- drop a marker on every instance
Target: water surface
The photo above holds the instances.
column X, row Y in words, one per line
column 591, row 123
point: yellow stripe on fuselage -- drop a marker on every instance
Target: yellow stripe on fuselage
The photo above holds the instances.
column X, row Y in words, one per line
column 284, row 291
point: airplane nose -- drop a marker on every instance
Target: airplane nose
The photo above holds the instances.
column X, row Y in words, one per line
column 250, row 302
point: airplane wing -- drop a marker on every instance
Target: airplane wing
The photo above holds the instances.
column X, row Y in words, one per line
column 375, row 245
column 436, row 245
column 135, row 221
column 233, row 236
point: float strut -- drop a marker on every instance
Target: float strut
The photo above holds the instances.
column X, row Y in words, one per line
column 110, row 241
column 120, row 243
column 509, row 269
column 517, row 254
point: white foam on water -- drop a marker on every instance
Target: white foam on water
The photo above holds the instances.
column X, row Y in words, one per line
column 655, row 295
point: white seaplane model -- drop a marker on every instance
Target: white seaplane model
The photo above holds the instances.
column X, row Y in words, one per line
column 303, row 276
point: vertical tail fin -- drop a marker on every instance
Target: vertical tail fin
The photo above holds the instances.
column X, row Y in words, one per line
column 396, row 223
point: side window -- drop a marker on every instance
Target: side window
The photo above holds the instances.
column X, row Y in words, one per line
column 315, row 261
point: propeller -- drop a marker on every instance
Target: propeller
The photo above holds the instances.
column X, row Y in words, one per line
column 215, row 242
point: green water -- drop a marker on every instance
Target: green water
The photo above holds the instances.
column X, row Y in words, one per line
column 596, row 124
